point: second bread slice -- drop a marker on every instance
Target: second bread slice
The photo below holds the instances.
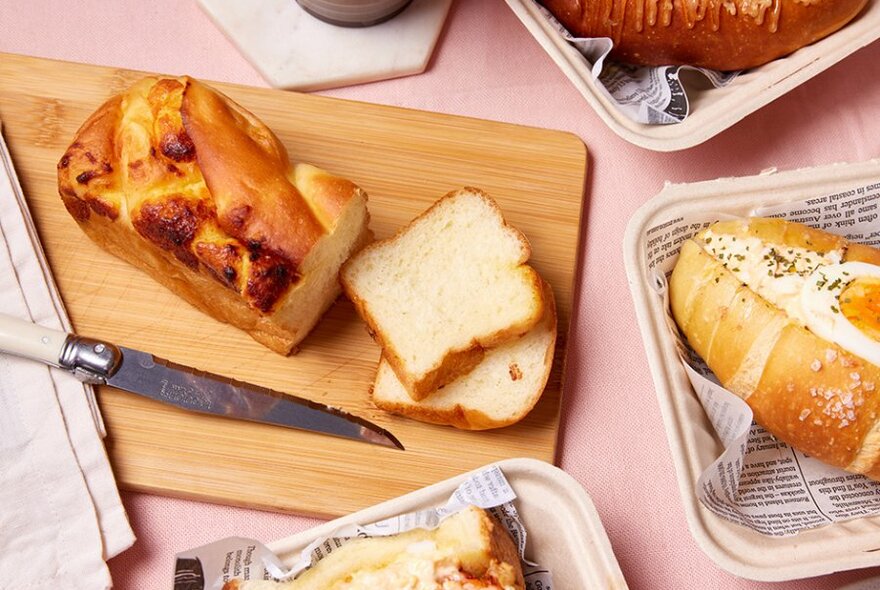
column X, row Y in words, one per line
column 500, row 391
column 453, row 282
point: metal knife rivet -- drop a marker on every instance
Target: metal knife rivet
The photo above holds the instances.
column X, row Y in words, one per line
column 44, row 340
column 99, row 348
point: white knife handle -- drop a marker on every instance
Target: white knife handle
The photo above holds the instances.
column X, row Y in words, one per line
column 23, row 338
column 91, row 361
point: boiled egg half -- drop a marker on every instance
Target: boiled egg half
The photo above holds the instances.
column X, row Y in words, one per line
column 841, row 303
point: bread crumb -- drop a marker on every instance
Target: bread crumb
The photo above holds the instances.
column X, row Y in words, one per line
column 816, row 365
column 515, row 372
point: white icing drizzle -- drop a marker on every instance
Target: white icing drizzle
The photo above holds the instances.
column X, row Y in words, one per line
column 651, row 13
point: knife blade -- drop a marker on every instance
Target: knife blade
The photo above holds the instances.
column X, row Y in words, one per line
column 98, row 362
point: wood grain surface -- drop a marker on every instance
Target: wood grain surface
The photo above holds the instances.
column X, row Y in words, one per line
column 405, row 160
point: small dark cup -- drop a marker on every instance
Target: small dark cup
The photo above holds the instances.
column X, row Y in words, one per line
column 354, row 13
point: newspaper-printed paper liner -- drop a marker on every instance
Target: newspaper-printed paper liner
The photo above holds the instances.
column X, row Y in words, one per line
column 210, row 566
column 759, row 481
column 649, row 95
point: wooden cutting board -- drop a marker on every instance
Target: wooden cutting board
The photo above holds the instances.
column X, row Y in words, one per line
column 405, row 160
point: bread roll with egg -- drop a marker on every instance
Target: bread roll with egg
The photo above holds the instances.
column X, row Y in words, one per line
column 188, row 186
column 717, row 34
column 470, row 550
column 788, row 319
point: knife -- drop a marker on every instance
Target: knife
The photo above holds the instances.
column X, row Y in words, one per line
column 102, row 363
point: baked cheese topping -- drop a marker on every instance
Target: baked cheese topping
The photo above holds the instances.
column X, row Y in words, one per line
column 422, row 567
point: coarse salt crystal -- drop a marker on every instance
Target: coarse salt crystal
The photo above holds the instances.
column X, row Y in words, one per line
column 868, row 386
column 804, row 415
column 830, row 355
column 855, row 376
column 844, row 423
column 790, row 387
column 816, row 365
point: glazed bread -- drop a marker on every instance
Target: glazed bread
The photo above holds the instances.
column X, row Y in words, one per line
column 788, row 318
column 470, row 550
column 185, row 184
column 449, row 285
column 716, row 34
column 500, row 391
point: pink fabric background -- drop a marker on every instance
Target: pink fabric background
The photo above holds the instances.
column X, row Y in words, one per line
column 487, row 65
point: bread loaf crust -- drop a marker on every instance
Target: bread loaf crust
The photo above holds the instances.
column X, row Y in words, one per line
column 805, row 390
column 716, row 34
column 183, row 183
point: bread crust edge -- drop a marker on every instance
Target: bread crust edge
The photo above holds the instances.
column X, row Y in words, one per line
column 457, row 362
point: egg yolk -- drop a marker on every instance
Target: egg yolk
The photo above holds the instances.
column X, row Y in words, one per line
column 860, row 304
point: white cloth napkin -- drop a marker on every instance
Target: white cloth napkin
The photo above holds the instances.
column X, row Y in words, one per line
column 60, row 512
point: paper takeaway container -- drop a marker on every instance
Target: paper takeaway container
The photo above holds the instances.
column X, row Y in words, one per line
column 693, row 442
column 712, row 110
column 564, row 533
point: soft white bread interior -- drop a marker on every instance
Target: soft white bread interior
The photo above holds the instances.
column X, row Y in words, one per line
column 469, row 550
column 788, row 318
column 449, row 285
column 500, row 391
column 188, row 186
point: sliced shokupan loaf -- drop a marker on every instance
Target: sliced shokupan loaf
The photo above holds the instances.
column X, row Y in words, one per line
column 450, row 284
column 500, row 391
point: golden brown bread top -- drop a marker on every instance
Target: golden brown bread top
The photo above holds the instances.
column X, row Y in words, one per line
column 468, row 551
column 717, row 34
column 195, row 174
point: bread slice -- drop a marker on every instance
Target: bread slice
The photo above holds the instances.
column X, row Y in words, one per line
column 469, row 546
column 500, row 391
column 447, row 286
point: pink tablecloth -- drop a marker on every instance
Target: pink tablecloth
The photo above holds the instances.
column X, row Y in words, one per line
column 488, row 66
